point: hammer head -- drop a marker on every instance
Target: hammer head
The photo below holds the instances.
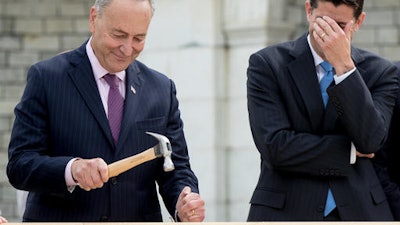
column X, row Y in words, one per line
column 163, row 148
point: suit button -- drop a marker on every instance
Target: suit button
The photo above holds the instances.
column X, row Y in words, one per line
column 114, row 180
column 104, row 218
column 320, row 208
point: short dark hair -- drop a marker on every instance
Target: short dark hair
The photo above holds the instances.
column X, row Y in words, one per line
column 357, row 5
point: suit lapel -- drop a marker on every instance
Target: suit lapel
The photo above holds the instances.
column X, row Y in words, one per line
column 304, row 75
column 83, row 79
column 134, row 90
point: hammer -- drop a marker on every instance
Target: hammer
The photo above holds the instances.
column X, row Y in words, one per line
column 163, row 148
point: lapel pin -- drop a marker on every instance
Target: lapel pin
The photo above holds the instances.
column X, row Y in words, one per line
column 133, row 90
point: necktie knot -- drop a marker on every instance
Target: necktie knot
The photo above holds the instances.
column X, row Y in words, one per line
column 112, row 80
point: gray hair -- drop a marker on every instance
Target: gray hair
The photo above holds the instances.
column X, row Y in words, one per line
column 101, row 4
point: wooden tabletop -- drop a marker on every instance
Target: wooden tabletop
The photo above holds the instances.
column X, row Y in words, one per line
column 223, row 223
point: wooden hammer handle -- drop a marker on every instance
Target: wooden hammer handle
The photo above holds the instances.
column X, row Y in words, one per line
column 120, row 166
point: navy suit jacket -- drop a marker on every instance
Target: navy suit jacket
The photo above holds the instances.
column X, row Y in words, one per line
column 61, row 116
column 387, row 161
column 304, row 147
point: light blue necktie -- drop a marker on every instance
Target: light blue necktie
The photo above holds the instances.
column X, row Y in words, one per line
column 324, row 83
column 326, row 80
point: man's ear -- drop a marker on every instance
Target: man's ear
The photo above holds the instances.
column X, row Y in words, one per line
column 308, row 9
column 359, row 22
column 92, row 19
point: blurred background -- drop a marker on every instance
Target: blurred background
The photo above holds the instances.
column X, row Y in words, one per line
column 204, row 46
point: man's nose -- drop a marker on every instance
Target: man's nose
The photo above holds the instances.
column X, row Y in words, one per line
column 127, row 48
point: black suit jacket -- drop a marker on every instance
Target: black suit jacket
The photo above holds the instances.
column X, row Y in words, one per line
column 304, row 147
column 387, row 162
column 61, row 116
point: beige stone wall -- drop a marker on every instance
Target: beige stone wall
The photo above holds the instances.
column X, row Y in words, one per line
column 204, row 46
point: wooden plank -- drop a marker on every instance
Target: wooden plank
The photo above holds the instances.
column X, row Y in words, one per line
column 223, row 223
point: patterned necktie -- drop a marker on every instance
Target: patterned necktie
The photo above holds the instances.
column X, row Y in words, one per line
column 115, row 105
column 324, row 83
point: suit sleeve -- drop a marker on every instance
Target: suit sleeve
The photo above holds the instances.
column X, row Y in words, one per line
column 365, row 111
column 172, row 183
column 30, row 167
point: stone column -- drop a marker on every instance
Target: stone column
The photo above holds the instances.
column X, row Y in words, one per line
column 184, row 42
column 248, row 26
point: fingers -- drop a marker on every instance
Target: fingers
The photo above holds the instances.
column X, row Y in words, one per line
column 362, row 155
column 372, row 155
column 329, row 26
column 348, row 30
column 3, row 220
column 90, row 173
column 190, row 206
column 181, row 199
column 326, row 28
column 186, row 190
column 323, row 30
column 197, row 213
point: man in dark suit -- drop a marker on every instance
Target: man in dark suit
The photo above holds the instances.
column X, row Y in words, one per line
column 62, row 142
column 386, row 161
column 306, row 137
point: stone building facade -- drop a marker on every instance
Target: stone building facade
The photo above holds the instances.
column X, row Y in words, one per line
column 203, row 45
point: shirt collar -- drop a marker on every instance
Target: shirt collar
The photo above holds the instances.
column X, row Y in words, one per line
column 317, row 59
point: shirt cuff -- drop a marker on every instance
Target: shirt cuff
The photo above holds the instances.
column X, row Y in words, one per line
column 339, row 79
column 353, row 154
column 68, row 176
